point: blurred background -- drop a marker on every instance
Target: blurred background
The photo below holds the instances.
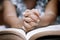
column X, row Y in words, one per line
column 1, row 12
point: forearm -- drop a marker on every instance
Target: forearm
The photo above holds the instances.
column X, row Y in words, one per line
column 50, row 13
column 47, row 20
column 9, row 9
column 10, row 16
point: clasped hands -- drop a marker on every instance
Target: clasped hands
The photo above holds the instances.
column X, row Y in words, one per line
column 31, row 19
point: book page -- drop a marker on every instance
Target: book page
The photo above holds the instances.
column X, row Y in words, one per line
column 50, row 30
column 19, row 32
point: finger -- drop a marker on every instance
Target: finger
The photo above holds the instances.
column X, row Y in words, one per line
column 26, row 13
column 35, row 18
column 33, row 24
column 27, row 19
column 27, row 26
column 35, row 12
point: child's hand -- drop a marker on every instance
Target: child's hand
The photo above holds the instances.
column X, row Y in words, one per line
column 31, row 19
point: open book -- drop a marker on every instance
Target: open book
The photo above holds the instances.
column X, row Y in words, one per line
column 34, row 34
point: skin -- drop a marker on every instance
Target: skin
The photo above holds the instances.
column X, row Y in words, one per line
column 29, row 2
column 11, row 18
column 47, row 19
column 31, row 19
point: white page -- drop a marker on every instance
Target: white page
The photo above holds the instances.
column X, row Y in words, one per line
column 20, row 31
column 39, row 30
